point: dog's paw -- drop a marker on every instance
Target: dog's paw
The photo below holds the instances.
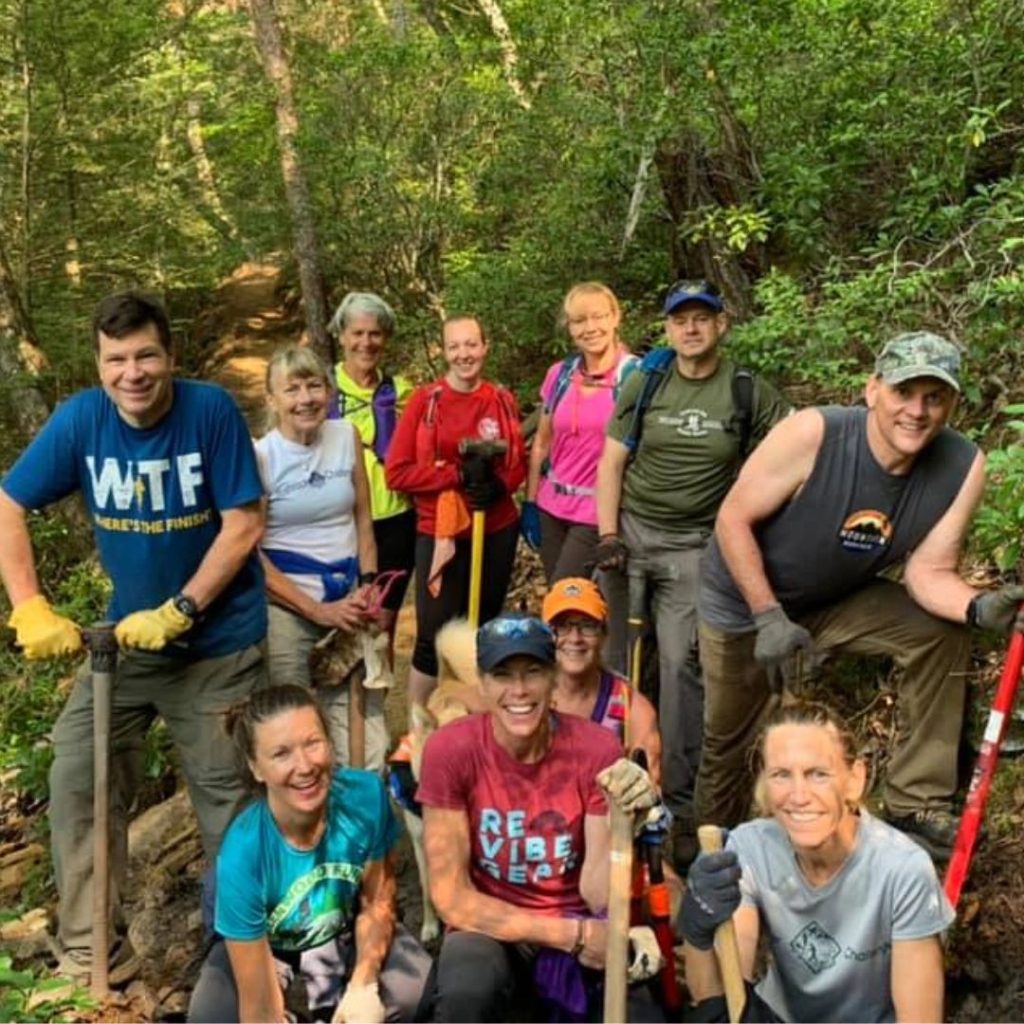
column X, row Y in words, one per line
column 431, row 931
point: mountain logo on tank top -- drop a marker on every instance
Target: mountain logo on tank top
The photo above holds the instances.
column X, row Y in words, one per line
column 815, row 948
column 867, row 529
column 489, row 429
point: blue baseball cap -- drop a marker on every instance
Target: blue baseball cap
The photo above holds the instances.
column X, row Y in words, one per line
column 510, row 634
column 693, row 291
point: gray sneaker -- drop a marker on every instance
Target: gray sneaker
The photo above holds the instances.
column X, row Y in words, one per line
column 76, row 964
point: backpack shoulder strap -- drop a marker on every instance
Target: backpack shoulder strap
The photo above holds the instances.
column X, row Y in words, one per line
column 622, row 371
column 569, row 366
column 743, row 406
column 654, row 366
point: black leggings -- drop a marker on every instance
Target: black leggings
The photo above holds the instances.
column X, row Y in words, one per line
column 433, row 612
column 566, row 548
column 396, row 545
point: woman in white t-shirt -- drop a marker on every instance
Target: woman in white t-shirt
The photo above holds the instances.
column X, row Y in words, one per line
column 318, row 549
column 852, row 908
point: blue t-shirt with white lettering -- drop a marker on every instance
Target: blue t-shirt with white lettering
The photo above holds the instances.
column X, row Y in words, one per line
column 155, row 495
column 299, row 899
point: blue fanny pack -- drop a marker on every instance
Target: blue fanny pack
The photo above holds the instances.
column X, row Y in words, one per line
column 337, row 577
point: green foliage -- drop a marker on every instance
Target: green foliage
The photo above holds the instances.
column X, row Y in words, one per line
column 26, row 997
column 998, row 531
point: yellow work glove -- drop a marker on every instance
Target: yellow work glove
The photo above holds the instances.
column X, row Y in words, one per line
column 42, row 633
column 153, row 628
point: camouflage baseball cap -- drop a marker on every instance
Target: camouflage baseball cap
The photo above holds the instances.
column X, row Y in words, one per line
column 919, row 354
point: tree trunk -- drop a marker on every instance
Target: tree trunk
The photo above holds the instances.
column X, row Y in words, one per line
column 204, row 170
column 21, row 358
column 694, row 177
column 275, row 64
column 509, row 52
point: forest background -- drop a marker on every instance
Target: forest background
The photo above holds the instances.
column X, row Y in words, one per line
column 844, row 168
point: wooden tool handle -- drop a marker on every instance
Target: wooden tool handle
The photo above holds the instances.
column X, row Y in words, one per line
column 620, row 886
column 726, row 947
column 357, row 720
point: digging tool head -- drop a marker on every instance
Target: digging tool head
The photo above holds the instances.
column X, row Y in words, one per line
column 482, row 448
column 102, row 644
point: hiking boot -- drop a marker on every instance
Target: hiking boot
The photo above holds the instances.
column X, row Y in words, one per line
column 76, row 964
column 932, row 829
column 684, row 845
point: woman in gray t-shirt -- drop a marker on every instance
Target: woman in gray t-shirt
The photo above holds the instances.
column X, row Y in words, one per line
column 852, row 908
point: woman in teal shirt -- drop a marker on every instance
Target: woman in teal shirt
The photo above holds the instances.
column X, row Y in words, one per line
column 305, row 882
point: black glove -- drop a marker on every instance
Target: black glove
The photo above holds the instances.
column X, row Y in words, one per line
column 484, row 494
column 611, row 553
column 475, row 468
column 997, row 610
column 712, row 894
column 780, row 642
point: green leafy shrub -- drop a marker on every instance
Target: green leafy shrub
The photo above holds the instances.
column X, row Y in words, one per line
column 24, row 997
column 998, row 533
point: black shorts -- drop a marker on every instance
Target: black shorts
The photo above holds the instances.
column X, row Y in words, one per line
column 396, row 549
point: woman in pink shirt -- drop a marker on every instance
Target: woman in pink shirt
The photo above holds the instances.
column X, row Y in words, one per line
column 559, row 516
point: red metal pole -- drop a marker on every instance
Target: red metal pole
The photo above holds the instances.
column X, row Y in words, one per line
column 984, row 770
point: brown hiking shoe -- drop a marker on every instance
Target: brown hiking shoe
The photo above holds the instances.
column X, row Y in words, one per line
column 684, row 845
column 932, row 829
column 76, row 964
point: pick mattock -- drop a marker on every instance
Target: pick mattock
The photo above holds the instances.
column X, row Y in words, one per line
column 102, row 646
column 620, row 878
column 726, row 947
column 486, row 450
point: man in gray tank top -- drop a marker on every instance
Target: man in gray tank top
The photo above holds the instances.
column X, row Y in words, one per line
column 831, row 498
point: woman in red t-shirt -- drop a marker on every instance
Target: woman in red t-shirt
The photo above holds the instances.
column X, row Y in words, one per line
column 516, row 835
column 424, row 461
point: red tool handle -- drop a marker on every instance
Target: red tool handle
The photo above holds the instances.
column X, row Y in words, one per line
column 984, row 770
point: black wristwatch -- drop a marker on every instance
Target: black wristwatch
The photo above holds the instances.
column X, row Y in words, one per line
column 971, row 618
column 184, row 604
column 366, row 578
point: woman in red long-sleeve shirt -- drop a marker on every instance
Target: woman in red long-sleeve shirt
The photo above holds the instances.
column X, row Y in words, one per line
column 424, row 462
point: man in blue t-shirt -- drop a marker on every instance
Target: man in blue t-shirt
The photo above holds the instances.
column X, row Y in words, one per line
column 169, row 478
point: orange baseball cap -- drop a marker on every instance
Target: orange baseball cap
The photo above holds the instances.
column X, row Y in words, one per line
column 574, row 594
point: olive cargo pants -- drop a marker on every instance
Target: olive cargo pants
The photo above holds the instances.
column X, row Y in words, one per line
column 879, row 619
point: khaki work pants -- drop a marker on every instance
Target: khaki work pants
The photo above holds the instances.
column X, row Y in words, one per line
column 290, row 640
column 880, row 619
column 191, row 697
column 668, row 567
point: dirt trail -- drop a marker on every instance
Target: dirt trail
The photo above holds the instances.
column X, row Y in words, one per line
column 243, row 327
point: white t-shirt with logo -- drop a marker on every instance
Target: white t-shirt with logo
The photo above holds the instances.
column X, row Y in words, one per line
column 310, row 497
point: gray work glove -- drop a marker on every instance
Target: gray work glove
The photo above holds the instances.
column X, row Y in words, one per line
column 998, row 610
column 712, row 896
column 628, row 786
column 782, row 646
column 612, row 552
column 645, row 957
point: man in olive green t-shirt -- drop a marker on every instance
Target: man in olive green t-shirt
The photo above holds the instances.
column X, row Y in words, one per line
column 656, row 511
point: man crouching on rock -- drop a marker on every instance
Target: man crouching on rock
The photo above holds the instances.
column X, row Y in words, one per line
column 169, row 478
column 515, row 805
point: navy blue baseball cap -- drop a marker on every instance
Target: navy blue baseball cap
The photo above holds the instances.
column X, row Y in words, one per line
column 693, row 291
column 510, row 634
